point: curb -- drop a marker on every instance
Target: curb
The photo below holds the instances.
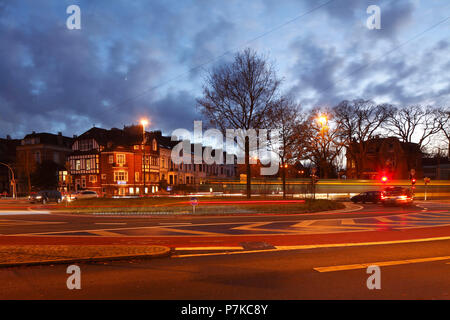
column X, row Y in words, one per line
column 165, row 253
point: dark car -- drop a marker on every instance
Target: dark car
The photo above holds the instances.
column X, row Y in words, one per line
column 369, row 196
column 46, row 196
column 397, row 196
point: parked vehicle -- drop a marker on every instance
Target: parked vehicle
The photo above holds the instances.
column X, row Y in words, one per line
column 46, row 196
column 369, row 196
column 397, row 196
column 86, row 194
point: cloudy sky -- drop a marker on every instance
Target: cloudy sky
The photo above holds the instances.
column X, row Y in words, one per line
column 134, row 59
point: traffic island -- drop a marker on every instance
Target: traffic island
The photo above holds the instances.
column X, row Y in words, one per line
column 25, row 255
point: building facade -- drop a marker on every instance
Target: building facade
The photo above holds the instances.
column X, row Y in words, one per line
column 36, row 149
column 383, row 157
column 127, row 162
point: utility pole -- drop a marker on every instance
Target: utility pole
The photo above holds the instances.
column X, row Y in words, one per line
column 13, row 180
column 144, row 123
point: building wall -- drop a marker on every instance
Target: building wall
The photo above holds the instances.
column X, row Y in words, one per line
column 386, row 156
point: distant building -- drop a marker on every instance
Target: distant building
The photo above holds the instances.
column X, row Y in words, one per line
column 437, row 168
column 36, row 148
column 383, row 156
column 7, row 156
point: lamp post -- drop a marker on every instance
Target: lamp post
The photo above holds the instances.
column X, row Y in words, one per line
column 13, row 180
column 144, row 122
column 322, row 120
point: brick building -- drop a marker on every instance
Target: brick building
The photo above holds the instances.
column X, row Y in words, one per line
column 110, row 162
column 34, row 150
column 383, row 156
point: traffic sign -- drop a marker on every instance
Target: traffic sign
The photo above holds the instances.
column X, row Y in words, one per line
column 194, row 201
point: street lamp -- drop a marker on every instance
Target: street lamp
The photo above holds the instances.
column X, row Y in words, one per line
column 322, row 120
column 144, row 122
column 13, row 180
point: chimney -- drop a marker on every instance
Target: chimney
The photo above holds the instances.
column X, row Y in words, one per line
column 59, row 133
column 75, row 136
column 8, row 137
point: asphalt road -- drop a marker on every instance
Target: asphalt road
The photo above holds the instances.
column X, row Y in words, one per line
column 262, row 275
column 410, row 268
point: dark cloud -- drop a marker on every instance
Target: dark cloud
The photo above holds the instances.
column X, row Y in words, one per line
column 134, row 59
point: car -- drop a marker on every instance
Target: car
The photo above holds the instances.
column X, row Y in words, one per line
column 86, row 194
column 397, row 196
column 46, row 196
column 369, row 196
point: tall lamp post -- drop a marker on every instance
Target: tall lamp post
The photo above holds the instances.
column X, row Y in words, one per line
column 13, row 180
column 322, row 119
column 144, row 122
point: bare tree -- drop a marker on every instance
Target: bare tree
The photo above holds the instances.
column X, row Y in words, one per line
column 359, row 121
column 284, row 117
column 321, row 141
column 238, row 95
column 414, row 124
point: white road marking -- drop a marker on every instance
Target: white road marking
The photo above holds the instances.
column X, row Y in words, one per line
column 175, row 223
column 318, row 246
column 12, row 213
column 112, row 223
column 379, row 263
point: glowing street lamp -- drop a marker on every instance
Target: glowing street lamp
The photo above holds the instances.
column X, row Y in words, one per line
column 322, row 120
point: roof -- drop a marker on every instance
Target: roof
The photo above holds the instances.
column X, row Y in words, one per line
column 50, row 139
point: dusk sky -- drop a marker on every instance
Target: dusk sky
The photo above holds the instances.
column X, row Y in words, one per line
column 134, row 59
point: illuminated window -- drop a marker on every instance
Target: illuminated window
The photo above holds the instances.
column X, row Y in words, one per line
column 111, row 159
column 155, row 145
column 120, row 176
column 78, row 165
column 92, row 178
column 120, row 159
column 136, row 176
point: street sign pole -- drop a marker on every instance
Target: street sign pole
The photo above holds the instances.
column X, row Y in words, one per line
column 427, row 181
column 194, row 203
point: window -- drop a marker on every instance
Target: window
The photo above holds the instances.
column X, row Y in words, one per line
column 103, row 176
column 121, row 159
column 111, row 159
column 120, row 176
column 37, row 156
column 93, row 178
column 155, row 145
column 136, row 147
column 83, row 182
column 136, row 176
column 88, row 164
column 78, row 165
